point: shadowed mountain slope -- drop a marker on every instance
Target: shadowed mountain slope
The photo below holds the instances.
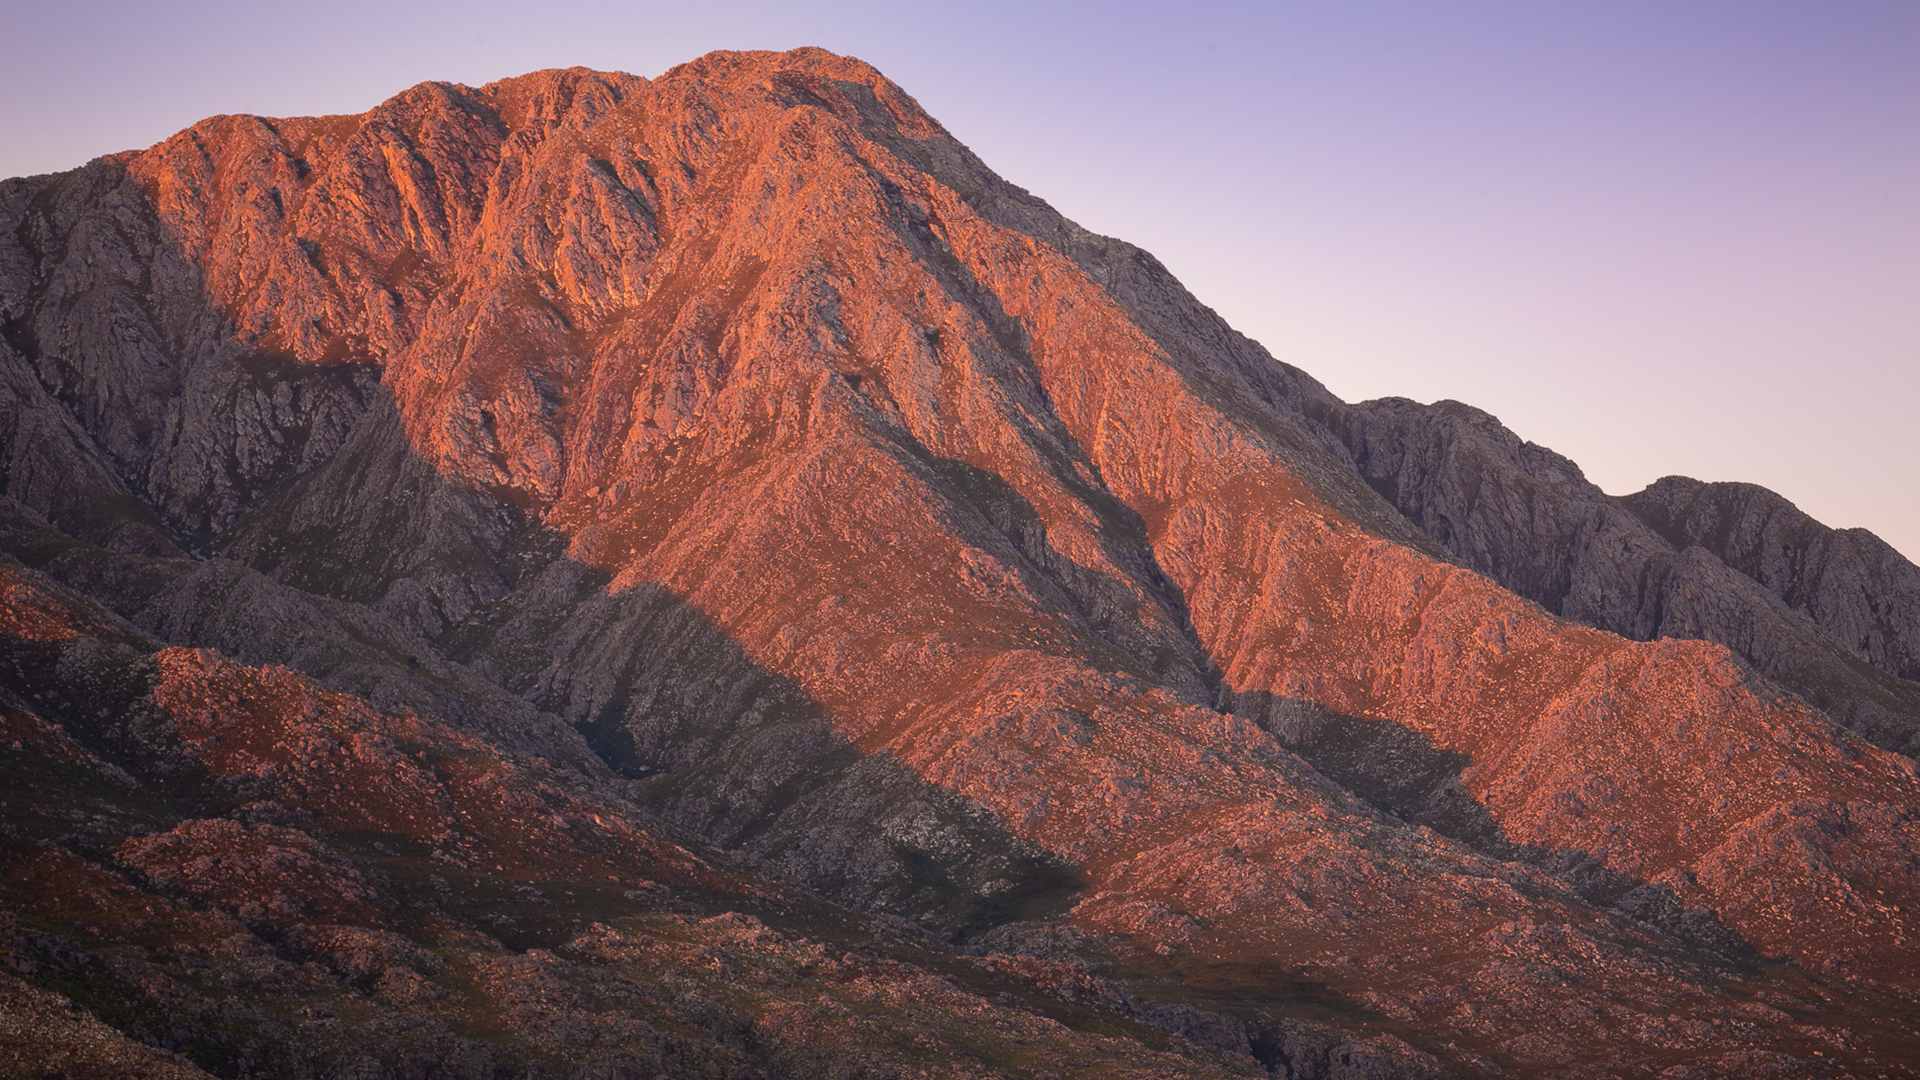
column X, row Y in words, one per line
column 1826, row 613
column 738, row 443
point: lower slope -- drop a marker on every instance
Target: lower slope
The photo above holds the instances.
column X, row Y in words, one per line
column 212, row 866
column 389, row 874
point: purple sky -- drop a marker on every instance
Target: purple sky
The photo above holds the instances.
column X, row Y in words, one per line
column 1657, row 237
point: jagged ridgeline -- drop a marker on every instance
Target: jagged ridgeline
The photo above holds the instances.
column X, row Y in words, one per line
column 605, row 577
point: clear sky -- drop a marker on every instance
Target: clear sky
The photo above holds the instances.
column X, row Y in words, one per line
column 1658, row 237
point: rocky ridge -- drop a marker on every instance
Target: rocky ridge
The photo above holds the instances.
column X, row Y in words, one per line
column 1826, row 613
column 739, row 445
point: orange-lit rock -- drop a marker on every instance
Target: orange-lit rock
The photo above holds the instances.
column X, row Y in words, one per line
column 875, row 524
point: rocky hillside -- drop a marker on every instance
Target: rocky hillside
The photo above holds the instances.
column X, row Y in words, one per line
column 524, row 569
column 1826, row 613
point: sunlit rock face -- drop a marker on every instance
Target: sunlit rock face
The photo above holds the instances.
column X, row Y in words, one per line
column 554, row 551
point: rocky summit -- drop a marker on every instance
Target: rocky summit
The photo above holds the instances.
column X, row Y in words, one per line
column 599, row 577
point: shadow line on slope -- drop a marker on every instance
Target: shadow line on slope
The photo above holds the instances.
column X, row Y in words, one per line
column 1123, row 534
column 126, row 384
column 723, row 748
column 744, row 758
column 1400, row 771
column 1668, row 561
column 370, row 524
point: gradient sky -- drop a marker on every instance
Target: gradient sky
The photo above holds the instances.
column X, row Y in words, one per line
column 1656, row 237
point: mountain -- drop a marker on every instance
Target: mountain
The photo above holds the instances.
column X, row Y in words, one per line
column 589, row 576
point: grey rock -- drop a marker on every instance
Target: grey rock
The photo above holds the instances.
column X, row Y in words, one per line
column 1832, row 615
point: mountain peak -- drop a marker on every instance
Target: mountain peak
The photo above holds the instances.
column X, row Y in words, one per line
column 733, row 458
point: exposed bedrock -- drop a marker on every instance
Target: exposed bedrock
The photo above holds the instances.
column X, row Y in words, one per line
column 737, row 447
